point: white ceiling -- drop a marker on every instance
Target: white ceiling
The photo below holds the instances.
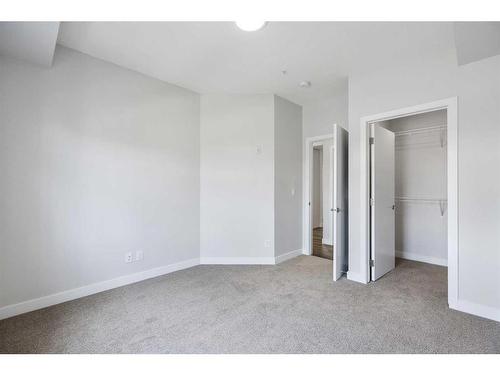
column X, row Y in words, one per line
column 217, row 57
column 30, row 41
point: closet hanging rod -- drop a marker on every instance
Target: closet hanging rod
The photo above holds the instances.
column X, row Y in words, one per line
column 443, row 203
column 420, row 130
column 433, row 200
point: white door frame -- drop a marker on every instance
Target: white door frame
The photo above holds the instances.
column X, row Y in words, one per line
column 308, row 181
column 451, row 105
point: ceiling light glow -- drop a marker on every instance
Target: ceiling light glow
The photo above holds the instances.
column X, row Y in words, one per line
column 251, row 25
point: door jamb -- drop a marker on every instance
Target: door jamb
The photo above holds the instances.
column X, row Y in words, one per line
column 451, row 105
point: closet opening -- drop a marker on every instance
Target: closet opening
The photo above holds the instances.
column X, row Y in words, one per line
column 409, row 192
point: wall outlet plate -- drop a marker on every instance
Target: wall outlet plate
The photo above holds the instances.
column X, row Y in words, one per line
column 139, row 255
column 128, row 257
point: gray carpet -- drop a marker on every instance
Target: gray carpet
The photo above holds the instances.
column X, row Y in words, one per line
column 293, row 307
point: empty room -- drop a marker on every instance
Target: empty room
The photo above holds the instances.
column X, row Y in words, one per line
column 224, row 187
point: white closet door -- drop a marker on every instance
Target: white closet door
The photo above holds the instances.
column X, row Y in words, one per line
column 339, row 202
column 383, row 202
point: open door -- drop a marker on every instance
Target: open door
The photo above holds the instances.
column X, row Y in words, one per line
column 339, row 202
column 382, row 207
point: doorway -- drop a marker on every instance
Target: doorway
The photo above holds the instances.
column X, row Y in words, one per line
column 321, row 199
column 325, row 199
column 409, row 189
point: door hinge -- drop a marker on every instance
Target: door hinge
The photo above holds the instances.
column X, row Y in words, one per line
column 372, row 140
column 308, row 203
column 372, row 263
column 372, row 202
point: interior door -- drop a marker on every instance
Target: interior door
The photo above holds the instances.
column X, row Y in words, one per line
column 382, row 202
column 339, row 202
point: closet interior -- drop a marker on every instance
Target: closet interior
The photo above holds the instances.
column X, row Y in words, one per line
column 420, row 186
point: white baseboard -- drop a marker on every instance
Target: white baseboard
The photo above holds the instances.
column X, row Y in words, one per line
column 237, row 260
column 422, row 258
column 68, row 295
column 289, row 255
column 476, row 309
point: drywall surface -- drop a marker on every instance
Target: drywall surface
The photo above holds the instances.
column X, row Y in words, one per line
column 421, row 163
column 287, row 176
column 96, row 161
column 319, row 117
column 33, row 42
column 477, row 86
column 479, row 182
column 476, row 40
column 237, row 178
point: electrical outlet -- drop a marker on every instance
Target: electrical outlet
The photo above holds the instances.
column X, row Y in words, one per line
column 128, row 257
column 267, row 243
column 139, row 255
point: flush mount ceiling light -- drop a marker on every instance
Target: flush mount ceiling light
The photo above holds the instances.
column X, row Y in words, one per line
column 250, row 25
column 305, row 84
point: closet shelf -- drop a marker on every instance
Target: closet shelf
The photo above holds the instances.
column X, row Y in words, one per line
column 441, row 129
column 421, row 199
column 420, row 130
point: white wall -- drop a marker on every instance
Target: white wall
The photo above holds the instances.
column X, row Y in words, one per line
column 421, row 227
column 237, row 178
column 477, row 86
column 288, row 176
column 95, row 161
column 33, row 42
column 318, row 117
column 479, row 185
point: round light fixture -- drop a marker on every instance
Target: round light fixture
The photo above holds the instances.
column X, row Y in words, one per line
column 251, row 25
